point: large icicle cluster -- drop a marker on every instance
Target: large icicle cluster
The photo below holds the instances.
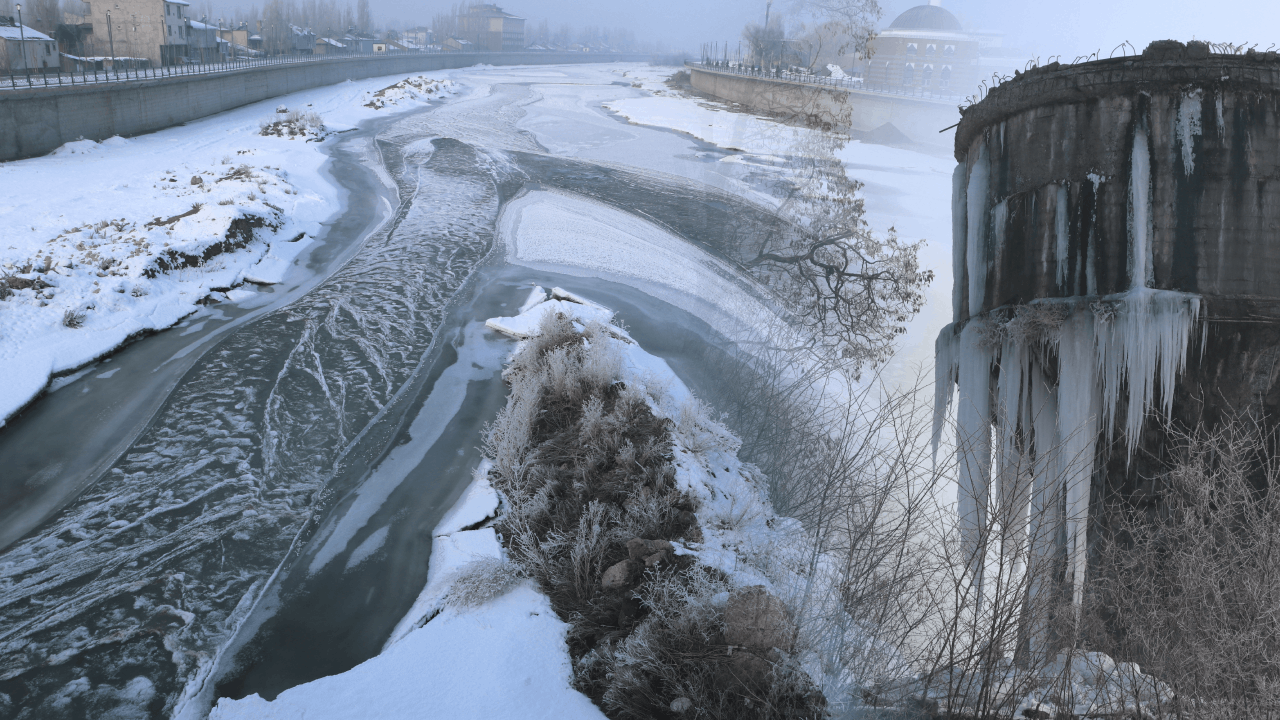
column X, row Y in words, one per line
column 1049, row 376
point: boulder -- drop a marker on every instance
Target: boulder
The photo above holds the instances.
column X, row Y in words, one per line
column 651, row 552
column 622, row 575
column 639, row 549
column 757, row 620
column 197, row 180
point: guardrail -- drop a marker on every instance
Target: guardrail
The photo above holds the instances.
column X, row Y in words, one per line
column 846, row 83
column 53, row 78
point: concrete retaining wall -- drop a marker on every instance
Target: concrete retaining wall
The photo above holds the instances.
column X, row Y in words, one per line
column 920, row 119
column 34, row 122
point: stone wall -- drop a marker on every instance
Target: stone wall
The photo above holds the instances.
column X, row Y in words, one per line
column 920, row 119
column 36, row 121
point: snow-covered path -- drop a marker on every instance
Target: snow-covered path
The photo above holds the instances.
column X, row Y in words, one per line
column 272, row 464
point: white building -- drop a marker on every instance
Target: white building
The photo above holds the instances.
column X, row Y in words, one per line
column 40, row 51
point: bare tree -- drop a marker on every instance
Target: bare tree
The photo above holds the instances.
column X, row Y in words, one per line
column 364, row 16
column 850, row 22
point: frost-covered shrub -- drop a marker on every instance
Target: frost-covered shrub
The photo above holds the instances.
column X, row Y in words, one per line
column 480, row 581
column 294, row 124
column 586, row 467
column 73, row 319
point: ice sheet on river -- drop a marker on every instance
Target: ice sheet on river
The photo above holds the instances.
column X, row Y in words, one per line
column 164, row 558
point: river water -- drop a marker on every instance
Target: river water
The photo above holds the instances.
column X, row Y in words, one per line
column 250, row 503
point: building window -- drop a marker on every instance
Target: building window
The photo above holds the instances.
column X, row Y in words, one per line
column 930, row 49
column 909, row 75
column 949, row 50
column 944, row 79
column 926, row 76
column 911, row 48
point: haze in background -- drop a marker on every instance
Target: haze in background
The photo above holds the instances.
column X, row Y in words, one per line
column 1045, row 27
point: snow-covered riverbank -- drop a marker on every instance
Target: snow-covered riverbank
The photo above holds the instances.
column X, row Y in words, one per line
column 108, row 240
column 500, row 652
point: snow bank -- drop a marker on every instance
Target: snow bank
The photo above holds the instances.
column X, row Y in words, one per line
column 107, row 240
column 413, row 89
column 488, row 663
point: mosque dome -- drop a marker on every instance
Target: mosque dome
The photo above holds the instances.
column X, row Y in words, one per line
column 927, row 17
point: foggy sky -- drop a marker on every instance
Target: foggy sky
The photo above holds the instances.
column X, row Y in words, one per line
column 1067, row 27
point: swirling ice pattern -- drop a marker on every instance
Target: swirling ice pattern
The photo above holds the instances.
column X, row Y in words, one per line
column 151, row 571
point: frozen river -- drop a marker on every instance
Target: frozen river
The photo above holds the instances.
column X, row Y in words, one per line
column 250, row 500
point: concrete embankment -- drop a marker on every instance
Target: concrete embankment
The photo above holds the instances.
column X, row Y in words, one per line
column 34, row 122
column 919, row 119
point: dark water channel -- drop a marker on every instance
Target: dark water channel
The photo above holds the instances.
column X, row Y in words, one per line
column 251, row 505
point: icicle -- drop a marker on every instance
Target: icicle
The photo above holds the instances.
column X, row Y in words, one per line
column 944, row 380
column 1090, row 254
column 1144, row 342
column 973, row 441
column 1013, row 487
column 959, row 227
column 1140, row 211
column 1046, row 497
column 975, row 240
column 1078, row 432
column 1188, row 127
column 1061, row 246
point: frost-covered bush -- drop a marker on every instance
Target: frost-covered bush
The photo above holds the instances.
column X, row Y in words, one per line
column 586, row 467
column 294, row 124
column 481, row 581
column 1188, row 583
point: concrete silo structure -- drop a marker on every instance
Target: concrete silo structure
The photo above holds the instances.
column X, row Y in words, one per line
column 1117, row 259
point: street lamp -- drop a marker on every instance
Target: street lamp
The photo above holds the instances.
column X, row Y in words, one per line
column 112, row 41
column 22, row 43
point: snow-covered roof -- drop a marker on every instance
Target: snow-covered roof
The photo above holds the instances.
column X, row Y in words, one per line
column 331, row 41
column 178, row 2
column 12, row 32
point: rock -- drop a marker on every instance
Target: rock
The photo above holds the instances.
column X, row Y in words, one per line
column 197, row 180
column 1164, row 50
column 681, row 705
column 743, row 671
column 639, row 549
column 758, row 620
column 621, row 575
column 692, row 532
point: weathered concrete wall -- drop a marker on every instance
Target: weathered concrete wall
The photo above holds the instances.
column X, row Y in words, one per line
column 1111, row 181
column 36, row 121
column 1213, row 148
column 919, row 119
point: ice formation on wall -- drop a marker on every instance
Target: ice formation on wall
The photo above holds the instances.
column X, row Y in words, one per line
column 1140, row 211
column 1050, row 376
column 959, row 228
column 975, row 237
column 1189, row 126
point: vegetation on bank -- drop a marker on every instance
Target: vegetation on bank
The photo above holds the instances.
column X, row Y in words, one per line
column 595, row 515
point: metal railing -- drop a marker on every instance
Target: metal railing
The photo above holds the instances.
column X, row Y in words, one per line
column 129, row 72
column 845, row 83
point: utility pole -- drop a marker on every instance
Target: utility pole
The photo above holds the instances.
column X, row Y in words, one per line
column 112, row 41
column 768, row 6
column 22, row 43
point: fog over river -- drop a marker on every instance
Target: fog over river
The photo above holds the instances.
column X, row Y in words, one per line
column 244, row 503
